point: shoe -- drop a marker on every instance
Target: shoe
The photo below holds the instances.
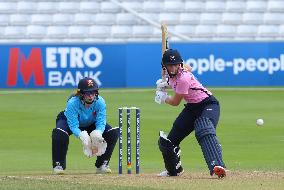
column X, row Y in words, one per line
column 165, row 173
column 58, row 170
column 104, row 169
column 219, row 171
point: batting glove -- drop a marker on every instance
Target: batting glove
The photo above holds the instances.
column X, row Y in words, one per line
column 161, row 97
column 162, row 85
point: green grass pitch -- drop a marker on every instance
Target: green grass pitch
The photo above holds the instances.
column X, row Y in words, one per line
column 28, row 117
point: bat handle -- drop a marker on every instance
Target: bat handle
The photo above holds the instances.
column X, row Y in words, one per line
column 164, row 75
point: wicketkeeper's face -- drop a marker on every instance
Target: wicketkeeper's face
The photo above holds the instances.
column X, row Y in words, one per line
column 89, row 96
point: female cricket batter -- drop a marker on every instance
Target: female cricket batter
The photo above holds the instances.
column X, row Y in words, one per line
column 201, row 113
column 85, row 117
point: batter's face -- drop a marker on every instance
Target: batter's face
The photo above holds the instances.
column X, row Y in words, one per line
column 173, row 69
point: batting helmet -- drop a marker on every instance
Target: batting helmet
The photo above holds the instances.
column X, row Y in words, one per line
column 171, row 57
column 87, row 85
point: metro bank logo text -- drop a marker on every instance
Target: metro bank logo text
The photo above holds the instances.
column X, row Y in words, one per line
column 53, row 66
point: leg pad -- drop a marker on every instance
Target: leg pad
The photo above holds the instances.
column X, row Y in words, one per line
column 171, row 155
column 205, row 134
column 60, row 142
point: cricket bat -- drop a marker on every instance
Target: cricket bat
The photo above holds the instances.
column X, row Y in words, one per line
column 165, row 46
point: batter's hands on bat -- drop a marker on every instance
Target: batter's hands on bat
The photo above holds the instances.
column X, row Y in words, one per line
column 162, row 85
column 161, row 97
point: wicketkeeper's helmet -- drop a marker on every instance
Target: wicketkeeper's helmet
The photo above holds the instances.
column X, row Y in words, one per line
column 87, row 85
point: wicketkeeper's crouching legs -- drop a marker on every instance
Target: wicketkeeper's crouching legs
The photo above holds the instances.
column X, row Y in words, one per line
column 205, row 134
column 110, row 137
column 60, row 142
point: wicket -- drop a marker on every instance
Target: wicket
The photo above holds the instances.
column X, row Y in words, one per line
column 120, row 123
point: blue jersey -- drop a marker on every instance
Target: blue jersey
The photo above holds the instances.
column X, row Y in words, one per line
column 79, row 116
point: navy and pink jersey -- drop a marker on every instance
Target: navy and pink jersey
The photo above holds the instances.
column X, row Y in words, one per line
column 186, row 84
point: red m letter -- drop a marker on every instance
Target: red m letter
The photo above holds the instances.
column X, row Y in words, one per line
column 31, row 65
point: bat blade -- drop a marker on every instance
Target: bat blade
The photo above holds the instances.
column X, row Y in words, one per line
column 165, row 42
column 165, row 46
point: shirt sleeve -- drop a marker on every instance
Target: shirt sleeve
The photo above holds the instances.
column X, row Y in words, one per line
column 72, row 114
column 101, row 115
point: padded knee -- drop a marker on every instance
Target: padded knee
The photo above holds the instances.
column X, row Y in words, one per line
column 60, row 142
column 203, row 127
column 205, row 134
column 171, row 155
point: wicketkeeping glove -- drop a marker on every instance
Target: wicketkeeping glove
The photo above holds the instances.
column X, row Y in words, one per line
column 86, row 141
column 98, row 142
column 101, row 148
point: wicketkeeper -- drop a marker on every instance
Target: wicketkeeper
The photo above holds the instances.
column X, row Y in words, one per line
column 200, row 114
column 85, row 117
